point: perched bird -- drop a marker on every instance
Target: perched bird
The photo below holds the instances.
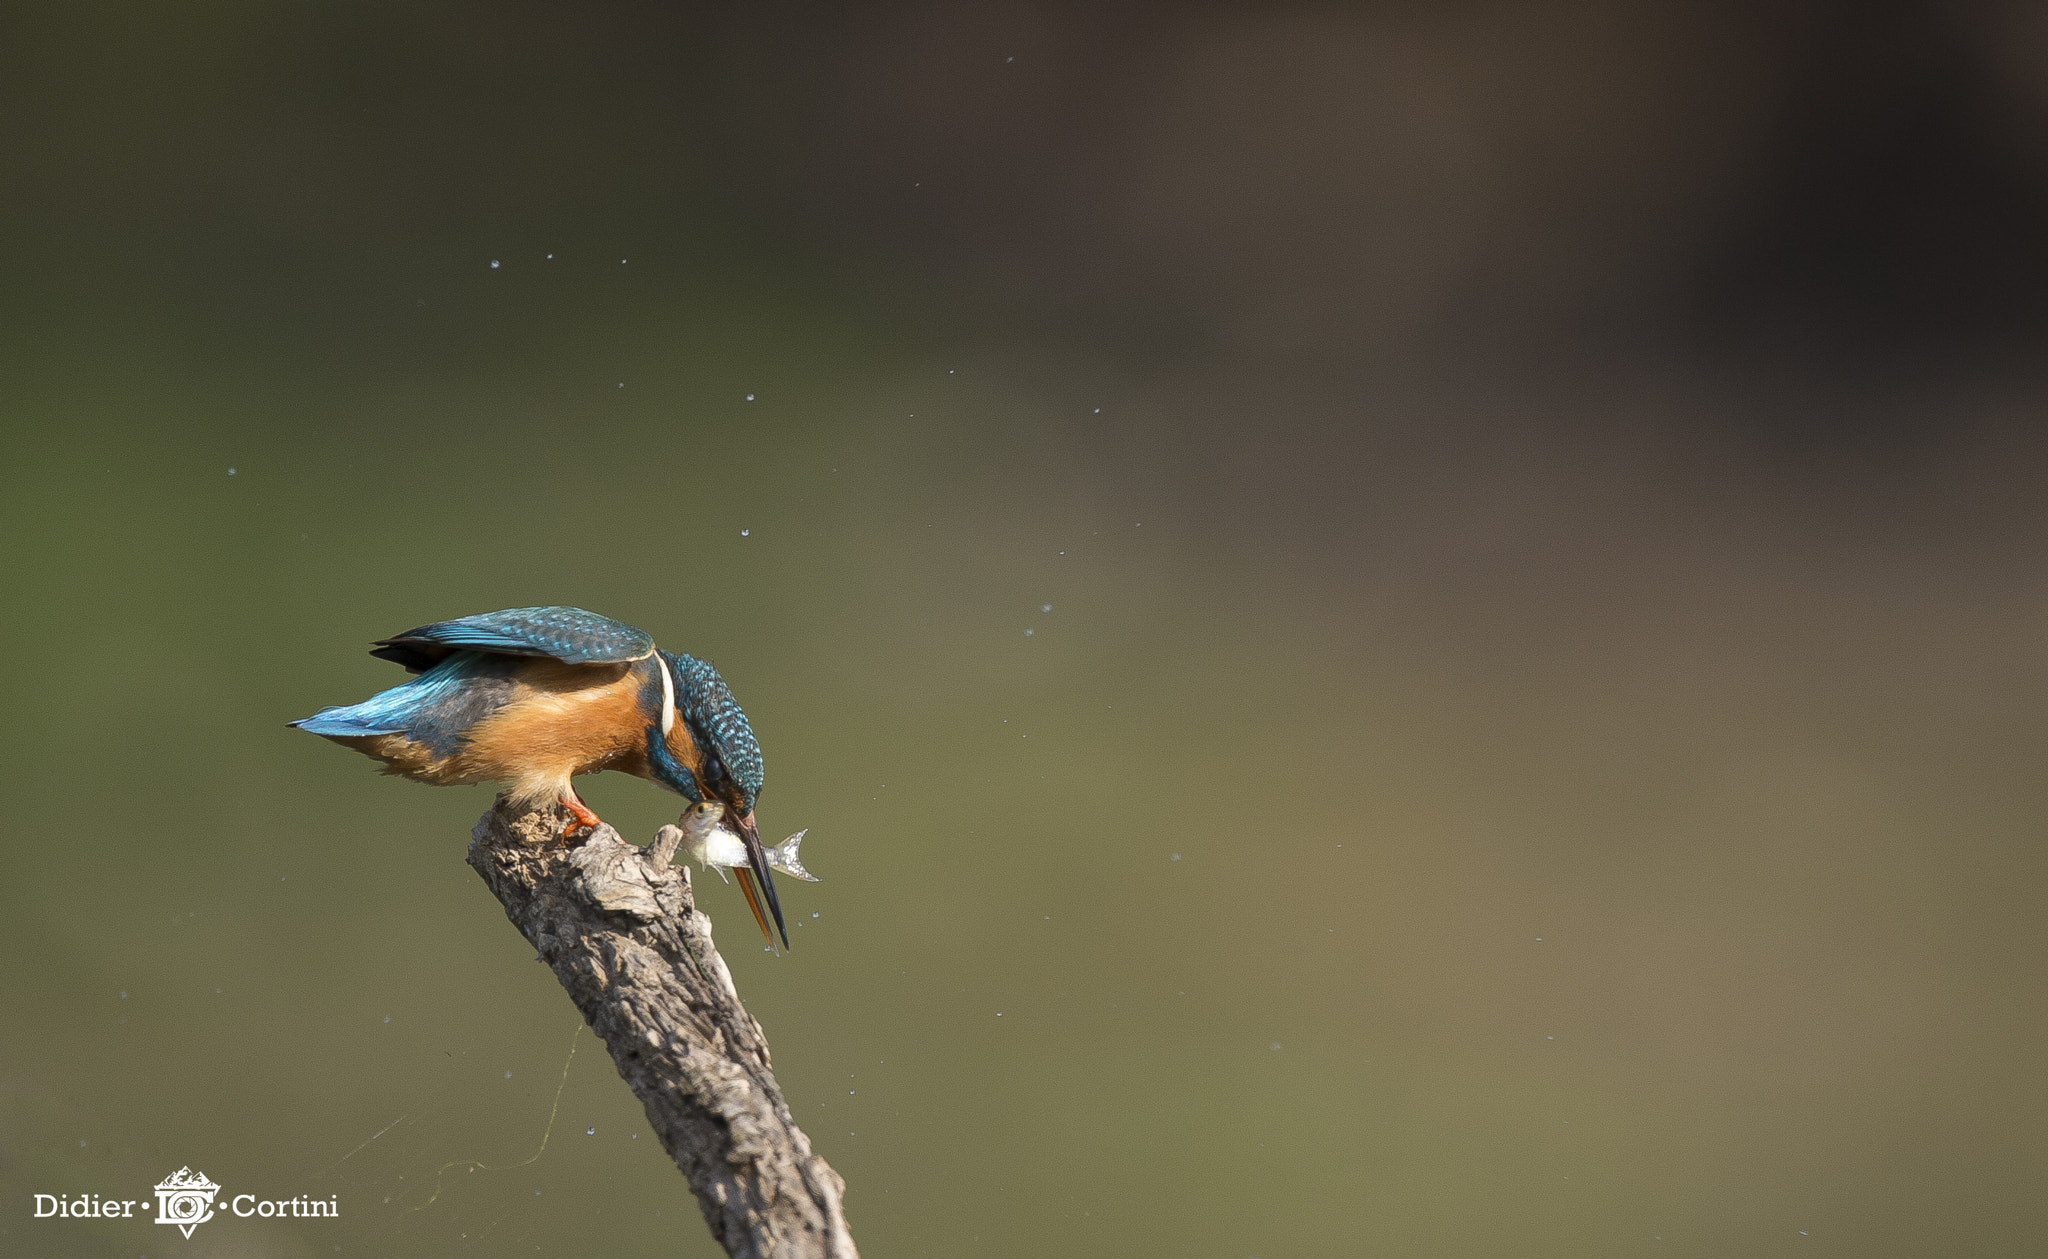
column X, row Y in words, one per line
column 532, row 697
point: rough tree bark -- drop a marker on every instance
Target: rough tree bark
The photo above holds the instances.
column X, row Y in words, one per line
column 619, row 926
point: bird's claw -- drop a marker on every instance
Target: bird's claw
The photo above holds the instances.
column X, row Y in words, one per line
column 582, row 819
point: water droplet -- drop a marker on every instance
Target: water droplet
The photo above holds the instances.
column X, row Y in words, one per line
column 550, row 256
column 508, row 1075
column 494, row 264
column 387, row 1018
column 1175, row 857
column 814, row 913
column 590, row 1132
column 999, row 1014
column 124, row 994
column 750, row 398
column 1275, row 1046
column 1028, row 633
column 1045, row 607
column 745, row 532
column 231, row 472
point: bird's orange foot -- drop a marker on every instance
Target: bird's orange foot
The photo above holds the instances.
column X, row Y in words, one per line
column 583, row 820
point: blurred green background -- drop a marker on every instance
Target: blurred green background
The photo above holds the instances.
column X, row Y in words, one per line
column 1402, row 629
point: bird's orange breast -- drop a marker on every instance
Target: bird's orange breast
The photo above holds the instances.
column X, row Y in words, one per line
column 561, row 720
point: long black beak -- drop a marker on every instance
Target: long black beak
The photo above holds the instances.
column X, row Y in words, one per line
column 757, row 857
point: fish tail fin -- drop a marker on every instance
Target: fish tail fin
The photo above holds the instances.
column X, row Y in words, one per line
column 783, row 857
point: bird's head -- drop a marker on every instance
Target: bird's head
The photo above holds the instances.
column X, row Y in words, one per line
column 728, row 767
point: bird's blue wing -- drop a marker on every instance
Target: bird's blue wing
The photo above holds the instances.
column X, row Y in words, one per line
column 570, row 635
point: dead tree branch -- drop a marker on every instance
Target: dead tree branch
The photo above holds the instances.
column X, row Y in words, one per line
column 619, row 927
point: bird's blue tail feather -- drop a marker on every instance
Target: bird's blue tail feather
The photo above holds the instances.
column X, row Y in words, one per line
column 434, row 708
column 345, row 723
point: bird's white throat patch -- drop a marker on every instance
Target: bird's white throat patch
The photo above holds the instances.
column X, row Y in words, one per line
column 668, row 695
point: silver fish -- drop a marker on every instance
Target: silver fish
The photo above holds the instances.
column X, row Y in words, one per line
column 717, row 846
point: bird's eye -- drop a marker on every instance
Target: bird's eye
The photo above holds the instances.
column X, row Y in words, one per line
column 713, row 770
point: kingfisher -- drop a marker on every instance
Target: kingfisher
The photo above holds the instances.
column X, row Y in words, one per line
column 532, row 697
